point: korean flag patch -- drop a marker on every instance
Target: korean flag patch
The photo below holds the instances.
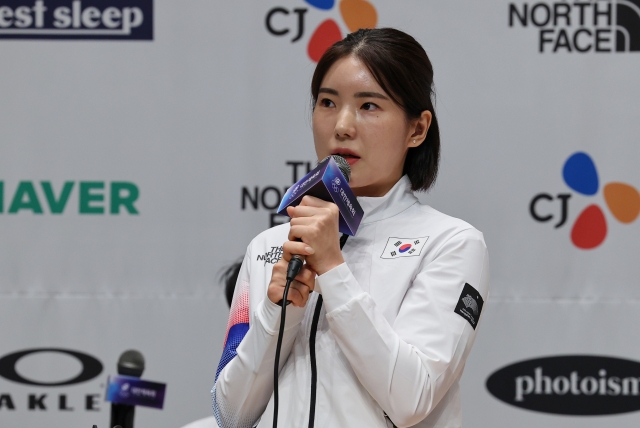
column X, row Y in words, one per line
column 403, row 247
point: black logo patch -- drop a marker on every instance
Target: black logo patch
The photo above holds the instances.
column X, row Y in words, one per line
column 469, row 305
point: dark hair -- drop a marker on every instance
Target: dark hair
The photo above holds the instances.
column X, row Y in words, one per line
column 403, row 70
column 229, row 277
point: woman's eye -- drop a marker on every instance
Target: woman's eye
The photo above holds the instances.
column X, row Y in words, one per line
column 369, row 106
column 325, row 102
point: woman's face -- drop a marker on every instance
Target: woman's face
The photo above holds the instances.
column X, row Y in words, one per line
column 353, row 117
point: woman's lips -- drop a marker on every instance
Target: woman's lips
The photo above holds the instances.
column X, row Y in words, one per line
column 348, row 155
column 351, row 160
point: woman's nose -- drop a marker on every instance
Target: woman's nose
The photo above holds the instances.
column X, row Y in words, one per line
column 345, row 124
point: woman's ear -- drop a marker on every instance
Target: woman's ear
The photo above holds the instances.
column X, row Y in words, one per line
column 419, row 128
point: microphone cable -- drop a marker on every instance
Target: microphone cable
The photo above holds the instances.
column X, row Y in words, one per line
column 295, row 264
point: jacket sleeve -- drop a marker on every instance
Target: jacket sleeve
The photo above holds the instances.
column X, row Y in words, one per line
column 244, row 378
column 408, row 367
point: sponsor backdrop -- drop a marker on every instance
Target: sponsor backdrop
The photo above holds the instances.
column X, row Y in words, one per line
column 144, row 143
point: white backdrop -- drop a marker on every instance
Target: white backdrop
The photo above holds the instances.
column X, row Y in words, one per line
column 216, row 103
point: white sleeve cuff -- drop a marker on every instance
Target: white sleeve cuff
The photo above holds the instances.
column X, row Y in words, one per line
column 338, row 287
column 269, row 315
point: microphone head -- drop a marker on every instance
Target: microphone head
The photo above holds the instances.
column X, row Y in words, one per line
column 325, row 183
column 131, row 363
column 344, row 166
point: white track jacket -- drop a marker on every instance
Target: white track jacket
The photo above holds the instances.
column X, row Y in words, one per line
column 397, row 324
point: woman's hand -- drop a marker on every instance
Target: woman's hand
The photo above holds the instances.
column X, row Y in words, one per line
column 301, row 286
column 315, row 223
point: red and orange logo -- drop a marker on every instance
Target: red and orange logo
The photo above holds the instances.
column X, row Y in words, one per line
column 590, row 227
column 356, row 14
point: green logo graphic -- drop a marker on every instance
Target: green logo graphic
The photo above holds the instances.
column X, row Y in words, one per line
column 91, row 197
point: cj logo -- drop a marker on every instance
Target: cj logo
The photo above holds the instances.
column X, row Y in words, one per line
column 356, row 14
column 590, row 228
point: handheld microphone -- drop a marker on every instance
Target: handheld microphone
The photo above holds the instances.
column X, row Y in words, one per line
column 327, row 181
column 130, row 363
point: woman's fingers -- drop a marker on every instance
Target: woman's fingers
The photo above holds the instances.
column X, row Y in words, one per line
column 289, row 248
column 298, row 294
column 316, row 223
column 309, row 211
column 297, row 227
column 304, row 211
column 303, row 286
column 275, row 292
column 307, row 276
column 311, row 233
column 299, row 289
column 310, row 201
column 301, row 221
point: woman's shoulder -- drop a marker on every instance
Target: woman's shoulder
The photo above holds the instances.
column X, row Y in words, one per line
column 425, row 217
column 437, row 234
column 427, row 227
column 452, row 231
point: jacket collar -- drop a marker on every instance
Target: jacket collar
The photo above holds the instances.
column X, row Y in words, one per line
column 398, row 199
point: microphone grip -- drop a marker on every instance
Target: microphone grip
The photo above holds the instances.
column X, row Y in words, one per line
column 122, row 415
column 295, row 264
column 293, row 269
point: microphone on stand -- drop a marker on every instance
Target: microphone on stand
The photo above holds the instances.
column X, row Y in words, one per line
column 130, row 363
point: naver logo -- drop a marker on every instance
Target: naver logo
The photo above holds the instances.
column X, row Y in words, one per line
column 31, row 197
column 581, row 26
column 76, row 19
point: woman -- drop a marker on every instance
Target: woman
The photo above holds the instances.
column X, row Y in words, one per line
column 399, row 303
